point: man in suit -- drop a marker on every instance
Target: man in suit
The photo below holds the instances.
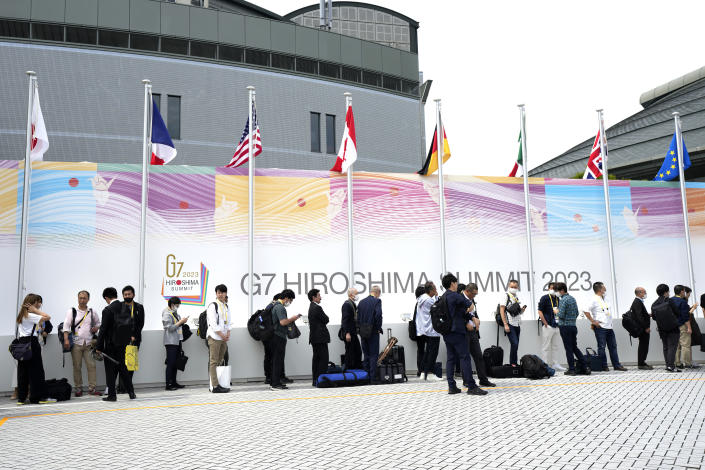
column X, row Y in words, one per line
column 369, row 317
column 642, row 316
column 318, row 336
column 472, row 334
column 348, row 325
column 112, row 338
column 137, row 314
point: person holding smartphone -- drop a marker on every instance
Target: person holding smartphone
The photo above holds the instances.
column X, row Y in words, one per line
column 281, row 321
column 511, row 317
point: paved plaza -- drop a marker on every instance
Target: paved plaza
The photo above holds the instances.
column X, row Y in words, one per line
column 635, row 419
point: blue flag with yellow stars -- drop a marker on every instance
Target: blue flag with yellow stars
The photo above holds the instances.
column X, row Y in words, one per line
column 669, row 169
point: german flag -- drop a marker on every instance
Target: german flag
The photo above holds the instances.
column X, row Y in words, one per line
column 431, row 164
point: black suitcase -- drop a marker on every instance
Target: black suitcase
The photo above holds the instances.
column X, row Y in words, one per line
column 397, row 355
column 60, row 390
column 507, row 371
column 492, row 357
column 391, row 373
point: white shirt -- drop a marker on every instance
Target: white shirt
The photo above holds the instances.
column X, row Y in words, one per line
column 423, row 315
column 600, row 311
column 219, row 321
column 83, row 333
column 25, row 328
column 512, row 320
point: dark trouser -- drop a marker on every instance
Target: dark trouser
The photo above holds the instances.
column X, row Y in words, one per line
column 514, row 332
column 319, row 361
column 30, row 375
column 457, row 349
column 476, row 352
column 430, row 353
column 606, row 337
column 268, row 358
column 278, row 350
column 112, row 371
column 569, row 335
column 172, row 353
column 643, row 350
column 353, row 353
column 670, row 344
column 121, row 384
column 370, row 348
column 420, row 353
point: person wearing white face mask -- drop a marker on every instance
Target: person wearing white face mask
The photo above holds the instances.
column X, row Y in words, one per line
column 511, row 317
column 550, row 336
column 600, row 316
column 281, row 322
column 173, row 336
column 643, row 317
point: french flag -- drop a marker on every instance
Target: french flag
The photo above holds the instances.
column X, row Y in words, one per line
column 163, row 150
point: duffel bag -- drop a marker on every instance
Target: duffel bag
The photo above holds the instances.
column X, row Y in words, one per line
column 343, row 379
column 506, row 371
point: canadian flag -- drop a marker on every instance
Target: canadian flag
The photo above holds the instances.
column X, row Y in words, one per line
column 40, row 141
column 347, row 154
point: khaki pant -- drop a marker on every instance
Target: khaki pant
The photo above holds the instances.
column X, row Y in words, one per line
column 550, row 344
column 216, row 354
column 79, row 353
column 684, row 345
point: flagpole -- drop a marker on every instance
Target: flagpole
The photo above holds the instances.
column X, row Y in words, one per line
column 250, row 204
column 684, row 201
column 351, row 266
column 527, row 207
column 146, row 157
column 608, row 212
column 25, row 189
column 440, row 153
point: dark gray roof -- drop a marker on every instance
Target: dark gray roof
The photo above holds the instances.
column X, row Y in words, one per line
column 638, row 144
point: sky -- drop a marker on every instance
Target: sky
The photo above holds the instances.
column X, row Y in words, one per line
column 562, row 59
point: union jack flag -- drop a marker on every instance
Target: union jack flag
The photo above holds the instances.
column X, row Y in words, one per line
column 243, row 148
column 594, row 166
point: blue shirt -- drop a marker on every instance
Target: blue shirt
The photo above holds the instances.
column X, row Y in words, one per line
column 681, row 309
column 567, row 311
column 546, row 307
column 457, row 308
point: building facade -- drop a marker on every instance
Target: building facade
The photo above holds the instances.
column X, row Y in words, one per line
column 91, row 56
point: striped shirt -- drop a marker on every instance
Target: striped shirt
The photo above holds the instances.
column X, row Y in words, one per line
column 567, row 311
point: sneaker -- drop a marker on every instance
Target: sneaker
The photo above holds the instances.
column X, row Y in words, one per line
column 287, row 380
column 93, row 392
column 672, row 369
column 47, row 401
column 219, row 389
column 454, row 390
column 476, row 391
column 433, row 378
column 570, row 372
column 20, row 403
column 680, row 366
column 645, row 367
column 621, row 368
column 558, row 367
column 278, row 387
column 78, row 393
column 692, row 366
column 423, row 376
column 486, row 383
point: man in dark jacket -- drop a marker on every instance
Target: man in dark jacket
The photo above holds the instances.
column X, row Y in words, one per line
column 137, row 313
column 113, row 337
column 642, row 316
column 369, row 318
column 669, row 337
column 318, row 336
column 348, row 325
column 456, row 343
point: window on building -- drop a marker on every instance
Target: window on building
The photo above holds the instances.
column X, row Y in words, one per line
column 315, row 132
column 329, row 70
column 231, row 54
column 81, row 35
column 203, row 49
column 330, row 133
column 371, row 78
column 173, row 116
column 281, row 61
column 257, row 57
column 351, row 74
column 144, row 42
column 113, row 38
column 306, row 65
column 174, row 46
column 14, row 29
column 158, row 100
column 47, row 32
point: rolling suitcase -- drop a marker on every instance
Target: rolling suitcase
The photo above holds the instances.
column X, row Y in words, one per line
column 492, row 357
column 391, row 373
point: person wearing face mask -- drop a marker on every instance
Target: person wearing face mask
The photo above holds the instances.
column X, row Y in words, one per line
column 642, row 316
column 600, row 316
column 281, row 322
column 550, row 336
column 218, row 335
column 137, row 313
column 567, row 313
column 348, row 326
column 173, row 336
column 511, row 317
column 30, row 373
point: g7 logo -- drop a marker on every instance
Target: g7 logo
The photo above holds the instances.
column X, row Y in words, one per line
column 171, row 265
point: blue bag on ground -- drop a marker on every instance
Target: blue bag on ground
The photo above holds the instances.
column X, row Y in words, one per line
column 343, row 379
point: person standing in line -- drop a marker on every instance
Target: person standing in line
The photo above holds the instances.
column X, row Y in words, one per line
column 369, row 319
column 600, row 316
column 218, row 335
column 424, row 329
column 550, row 336
column 641, row 314
column 117, row 330
column 318, row 336
column 660, row 309
column 137, row 313
column 511, row 312
column 173, row 336
column 472, row 334
column 82, row 323
column 281, row 322
column 30, row 373
column 420, row 339
column 348, row 325
column 268, row 343
column 680, row 302
column 567, row 314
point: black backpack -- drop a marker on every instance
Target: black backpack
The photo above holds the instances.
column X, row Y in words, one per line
column 123, row 327
column 202, row 330
column 664, row 316
column 534, row 368
column 440, row 317
column 260, row 325
column 60, row 390
column 632, row 325
column 492, row 357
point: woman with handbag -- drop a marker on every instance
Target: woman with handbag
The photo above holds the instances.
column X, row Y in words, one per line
column 173, row 336
column 28, row 352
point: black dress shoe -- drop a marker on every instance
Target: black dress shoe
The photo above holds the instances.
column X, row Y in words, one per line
column 453, row 391
column 570, row 372
column 286, row 380
column 476, row 391
column 220, row 389
column 171, row 388
column 133, row 396
column 487, row 383
column 179, row 386
column 109, row 398
column 267, row 381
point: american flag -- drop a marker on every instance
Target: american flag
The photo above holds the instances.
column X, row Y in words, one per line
column 594, row 166
column 243, row 148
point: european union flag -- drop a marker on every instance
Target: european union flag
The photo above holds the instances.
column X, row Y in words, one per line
column 669, row 169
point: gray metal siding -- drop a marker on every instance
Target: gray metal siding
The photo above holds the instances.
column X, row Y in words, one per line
column 409, row 65
column 306, row 42
column 82, row 12
column 351, row 51
column 175, row 19
column 283, row 37
column 231, row 28
column 257, row 33
column 391, row 61
column 204, row 24
column 114, row 14
column 48, row 10
column 16, row 9
column 328, row 46
column 97, row 115
column 145, row 16
column 371, row 56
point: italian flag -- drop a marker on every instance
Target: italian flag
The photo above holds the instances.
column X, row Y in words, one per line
column 519, row 165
